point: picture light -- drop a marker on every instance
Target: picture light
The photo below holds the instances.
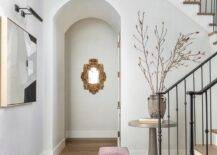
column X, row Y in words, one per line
column 27, row 11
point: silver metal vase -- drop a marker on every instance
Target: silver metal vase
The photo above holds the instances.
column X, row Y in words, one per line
column 153, row 105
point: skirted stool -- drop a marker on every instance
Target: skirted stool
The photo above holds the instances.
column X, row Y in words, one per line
column 113, row 151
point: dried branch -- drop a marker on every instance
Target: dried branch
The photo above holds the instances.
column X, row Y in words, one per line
column 154, row 64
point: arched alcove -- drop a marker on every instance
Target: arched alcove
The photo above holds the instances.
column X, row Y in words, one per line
column 86, row 112
column 65, row 16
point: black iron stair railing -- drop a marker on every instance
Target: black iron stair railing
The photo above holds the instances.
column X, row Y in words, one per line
column 176, row 87
column 192, row 99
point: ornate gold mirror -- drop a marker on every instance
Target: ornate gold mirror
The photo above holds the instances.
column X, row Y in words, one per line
column 93, row 76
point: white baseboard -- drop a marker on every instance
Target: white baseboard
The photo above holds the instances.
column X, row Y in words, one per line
column 60, row 146
column 91, row 134
column 56, row 150
column 47, row 152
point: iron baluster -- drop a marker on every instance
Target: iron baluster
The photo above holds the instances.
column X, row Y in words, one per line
column 177, row 120
column 207, row 130
column 168, row 116
column 210, row 98
column 194, row 109
column 191, row 124
column 159, row 125
column 186, row 132
column 202, row 106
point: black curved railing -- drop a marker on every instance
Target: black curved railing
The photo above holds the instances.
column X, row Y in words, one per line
column 184, row 82
column 192, row 100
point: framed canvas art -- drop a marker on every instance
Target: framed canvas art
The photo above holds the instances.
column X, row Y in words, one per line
column 18, row 64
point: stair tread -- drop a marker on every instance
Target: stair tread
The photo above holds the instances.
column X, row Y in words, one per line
column 206, row 14
column 214, row 131
column 212, row 24
column 202, row 149
column 212, row 33
column 191, row 2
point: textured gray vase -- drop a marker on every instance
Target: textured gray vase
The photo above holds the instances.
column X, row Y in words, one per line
column 153, row 106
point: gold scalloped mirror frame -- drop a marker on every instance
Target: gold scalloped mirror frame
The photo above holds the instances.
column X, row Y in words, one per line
column 93, row 88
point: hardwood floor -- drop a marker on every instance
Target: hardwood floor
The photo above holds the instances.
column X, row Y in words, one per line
column 86, row 146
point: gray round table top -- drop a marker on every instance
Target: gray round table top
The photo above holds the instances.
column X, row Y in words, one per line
column 164, row 124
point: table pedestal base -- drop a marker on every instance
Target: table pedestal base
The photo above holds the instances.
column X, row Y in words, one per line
column 152, row 141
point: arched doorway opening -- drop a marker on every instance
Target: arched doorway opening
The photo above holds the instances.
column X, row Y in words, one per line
column 68, row 14
column 91, row 118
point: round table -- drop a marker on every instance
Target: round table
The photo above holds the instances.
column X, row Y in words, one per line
column 152, row 132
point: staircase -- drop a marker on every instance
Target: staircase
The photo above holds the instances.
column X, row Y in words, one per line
column 206, row 8
column 190, row 103
column 207, row 147
column 190, row 100
column 212, row 149
column 203, row 12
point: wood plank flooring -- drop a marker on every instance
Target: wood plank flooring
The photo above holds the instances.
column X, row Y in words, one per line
column 86, row 146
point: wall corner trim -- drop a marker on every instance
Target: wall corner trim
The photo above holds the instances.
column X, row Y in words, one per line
column 56, row 150
column 47, row 152
column 59, row 147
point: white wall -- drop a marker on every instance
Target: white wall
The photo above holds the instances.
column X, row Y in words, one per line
column 134, row 92
column 21, row 128
column 88, row 115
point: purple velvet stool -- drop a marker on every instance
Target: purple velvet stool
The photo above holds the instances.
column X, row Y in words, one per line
column 113, row 151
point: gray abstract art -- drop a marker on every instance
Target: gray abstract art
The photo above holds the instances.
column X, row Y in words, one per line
column 18, row 64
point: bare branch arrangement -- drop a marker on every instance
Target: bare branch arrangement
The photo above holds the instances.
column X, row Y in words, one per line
column 153, row 63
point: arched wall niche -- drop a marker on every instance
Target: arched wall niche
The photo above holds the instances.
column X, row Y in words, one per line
column 63, row 18
column 91, row 38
